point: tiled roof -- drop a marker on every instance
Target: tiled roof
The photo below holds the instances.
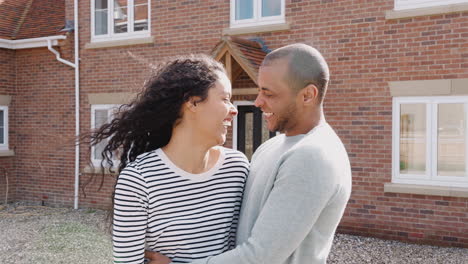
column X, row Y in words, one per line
column 248, row 53
column 22, row 19
column 251, row 50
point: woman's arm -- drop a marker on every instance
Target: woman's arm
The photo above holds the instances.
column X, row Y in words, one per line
column 130, row 217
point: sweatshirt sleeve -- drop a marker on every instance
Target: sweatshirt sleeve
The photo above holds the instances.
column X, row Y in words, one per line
column 302, row 189
column 130, row 217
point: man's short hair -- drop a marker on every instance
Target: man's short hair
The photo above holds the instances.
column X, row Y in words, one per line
column 305, row 66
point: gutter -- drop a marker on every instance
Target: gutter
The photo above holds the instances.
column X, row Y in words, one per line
column 30, row 43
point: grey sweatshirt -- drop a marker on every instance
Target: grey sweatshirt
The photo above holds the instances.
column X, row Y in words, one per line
column 294, row 199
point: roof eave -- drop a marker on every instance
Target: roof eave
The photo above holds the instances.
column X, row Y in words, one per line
column 30, row 43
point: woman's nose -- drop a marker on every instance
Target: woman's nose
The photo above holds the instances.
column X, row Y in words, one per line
column 233, row 110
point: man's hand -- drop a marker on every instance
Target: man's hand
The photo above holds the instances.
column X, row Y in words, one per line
column 156, row 258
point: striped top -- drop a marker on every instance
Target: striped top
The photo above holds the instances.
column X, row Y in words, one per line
column 184, row 216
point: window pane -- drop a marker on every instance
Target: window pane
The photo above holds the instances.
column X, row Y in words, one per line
column 100, row 17
column 120, row 16
column 451, row 140
column 413, row 139
column 141, row 15
column 98, row 149
column 100, row 118
column 2, row 127
column 271, row 8
column 249, row 135
column 100, row 4
column 244, row 9
column 265, row 131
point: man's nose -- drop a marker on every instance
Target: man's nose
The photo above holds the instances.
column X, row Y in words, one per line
column 258, row 101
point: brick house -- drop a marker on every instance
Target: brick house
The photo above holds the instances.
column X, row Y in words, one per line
column 398, row 96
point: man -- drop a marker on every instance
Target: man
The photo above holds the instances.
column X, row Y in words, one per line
column 300, row 181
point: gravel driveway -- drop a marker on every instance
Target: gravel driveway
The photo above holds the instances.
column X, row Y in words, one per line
column 36, row 234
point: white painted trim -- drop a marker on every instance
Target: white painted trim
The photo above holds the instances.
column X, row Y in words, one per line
column 111, row 36
column 257, row 19
column 4, row 146
column 431, row 177
column 30, row 43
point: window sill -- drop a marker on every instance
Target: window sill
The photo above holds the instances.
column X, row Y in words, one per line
column 426, row 11
column 256, row 29
column 119, row 43
column 7, row 153
column 98, row 170
column 429, row 87
column 426, row 190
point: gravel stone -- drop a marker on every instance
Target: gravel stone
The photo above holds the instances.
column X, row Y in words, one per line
column 39, row 234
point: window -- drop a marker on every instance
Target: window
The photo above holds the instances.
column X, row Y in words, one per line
column 430, row 140
column 100, row 115
column 4, row 127
column 120, row 19
column 256, row 12
column 411, row 4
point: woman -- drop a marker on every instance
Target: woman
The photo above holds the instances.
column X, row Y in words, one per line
column 178, row 192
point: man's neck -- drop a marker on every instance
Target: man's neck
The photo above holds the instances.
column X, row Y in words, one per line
column 307, row 123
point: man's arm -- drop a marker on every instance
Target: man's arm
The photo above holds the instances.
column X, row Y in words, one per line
column 302, row 189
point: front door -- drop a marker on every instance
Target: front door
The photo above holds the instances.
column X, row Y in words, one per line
column 251, row 129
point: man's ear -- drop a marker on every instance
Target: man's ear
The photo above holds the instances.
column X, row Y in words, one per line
column 309, row 94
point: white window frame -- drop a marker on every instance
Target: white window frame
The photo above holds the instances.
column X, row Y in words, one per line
column 97, row 162
column 257, row 19
column 4, row 146
column 131, row 34
column 430, row 177
column 413, row 4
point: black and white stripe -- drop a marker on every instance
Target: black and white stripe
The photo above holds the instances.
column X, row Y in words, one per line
column 181, row 215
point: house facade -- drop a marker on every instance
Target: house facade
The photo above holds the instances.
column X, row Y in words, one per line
column 398, row 95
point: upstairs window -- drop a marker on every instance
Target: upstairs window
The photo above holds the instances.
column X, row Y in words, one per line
column 120, row 19
column 246, row 13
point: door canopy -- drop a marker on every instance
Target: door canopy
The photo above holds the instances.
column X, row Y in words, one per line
column 238, row 55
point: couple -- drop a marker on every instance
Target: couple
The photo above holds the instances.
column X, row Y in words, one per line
column 181, row 196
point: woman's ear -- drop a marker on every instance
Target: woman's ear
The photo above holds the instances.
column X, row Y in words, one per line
column 192, row 103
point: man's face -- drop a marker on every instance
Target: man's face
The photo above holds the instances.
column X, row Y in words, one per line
column 275, row 98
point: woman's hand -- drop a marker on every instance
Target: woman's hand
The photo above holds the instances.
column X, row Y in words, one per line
column 157, row 258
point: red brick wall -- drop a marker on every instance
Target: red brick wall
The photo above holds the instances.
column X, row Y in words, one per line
column 364, row 52
column 7, row 87
column 44, row 128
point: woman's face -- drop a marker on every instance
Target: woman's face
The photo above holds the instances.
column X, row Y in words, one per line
column 215, row 114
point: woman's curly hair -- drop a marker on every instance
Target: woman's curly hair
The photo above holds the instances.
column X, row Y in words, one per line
column 146, row 123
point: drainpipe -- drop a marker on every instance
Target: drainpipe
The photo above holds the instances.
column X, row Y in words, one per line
column 77, row 99
column 77, row 105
